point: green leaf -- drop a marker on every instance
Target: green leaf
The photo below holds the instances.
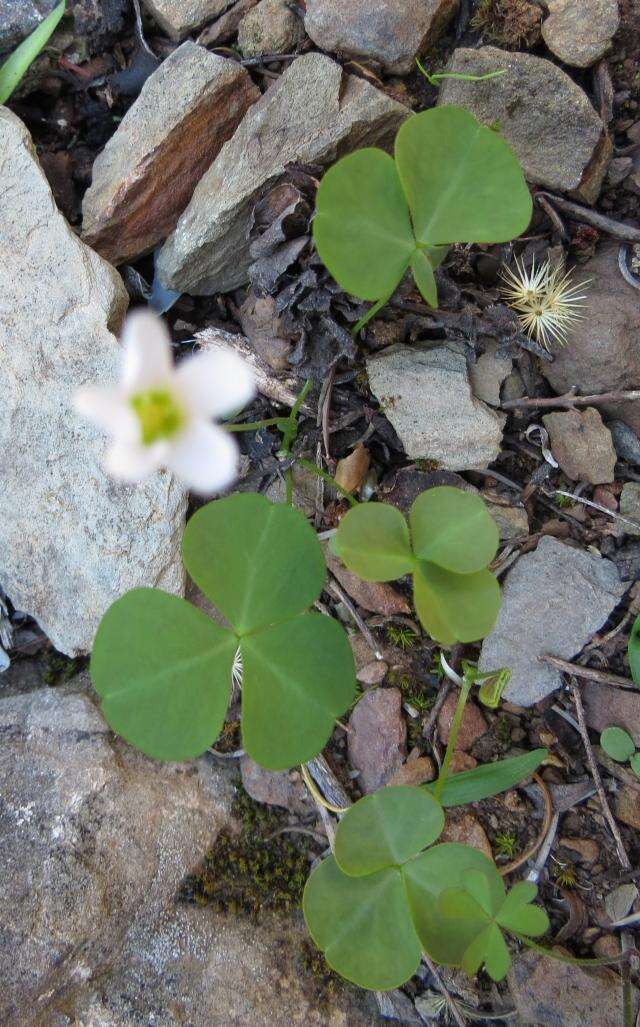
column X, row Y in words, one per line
column 489, row 948
column 453, row 529
column 363, row 925
column 462, row 180
column 635, row 763
column 423, row 273
column 386, row 829
column 519, row 915
column 258, row 562
column 617, row 743
column 373, row 542
column 362, row 229
column 455, row 607
column 634, row 651
column 297, row 678
column 426, row 878
column 163, row 671
column 17, row 64
column 489, row 779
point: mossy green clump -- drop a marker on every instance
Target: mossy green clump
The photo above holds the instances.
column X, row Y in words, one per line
column 58, row 669
column 253, row 870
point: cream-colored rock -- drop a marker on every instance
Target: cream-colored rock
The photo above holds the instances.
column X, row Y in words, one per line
column 71, row 540
column 579, row 32
column 180, row 17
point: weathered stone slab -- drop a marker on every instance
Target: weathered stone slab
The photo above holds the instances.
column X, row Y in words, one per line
column 314, row 113
column 580, row 33
column 146, row 174
column 71, row 540
column 180, row 17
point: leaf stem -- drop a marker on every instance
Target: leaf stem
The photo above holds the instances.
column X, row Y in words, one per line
column 257, row 425
column 465, row 688
column 371, row 312
column 310, row 466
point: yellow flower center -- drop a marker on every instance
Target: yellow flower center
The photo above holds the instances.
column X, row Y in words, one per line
column 159, row 415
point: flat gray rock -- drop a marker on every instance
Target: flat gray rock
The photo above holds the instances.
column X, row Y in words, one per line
column 582, row 444
column 426, row 395
column 95, row 842
column 20, row 17
column 580, row 33
column 602, row 353
column 553, row 601
column 71, row 540
column 548, row 120
column 180, row 17
column 393, row 32
column 145, row 176
column 312, row 114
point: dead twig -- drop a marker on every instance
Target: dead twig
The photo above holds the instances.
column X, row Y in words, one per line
column 446, row 994
column 597, row 506
column 588, row 673
column 569, row 400
column 339, row 593
column 544, row 830
column 616, row 229
column 595, row 773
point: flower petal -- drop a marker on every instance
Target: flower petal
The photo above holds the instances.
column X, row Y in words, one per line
column 205, row 458
column 109, row 409
column 146, row 351
column 132, row 462
column 215, row 383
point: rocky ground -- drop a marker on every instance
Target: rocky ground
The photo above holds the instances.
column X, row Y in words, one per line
column 182, row 145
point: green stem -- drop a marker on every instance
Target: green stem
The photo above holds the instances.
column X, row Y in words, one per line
column 371, row 312
column 571, row 960
column 256, row 425
column 290, row 429
column 453, row 738
column 309, row 466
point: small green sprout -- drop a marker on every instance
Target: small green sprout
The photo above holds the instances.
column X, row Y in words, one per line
column 434, row 78
column 565, row 875
column 402, row 637
column 24, row 55
column 620, row 746
column 634, row 651
column 506, row 844
column 492, row 684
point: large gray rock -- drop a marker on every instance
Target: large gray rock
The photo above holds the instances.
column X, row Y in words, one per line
column 553, row 601
column 20, row 17
column 580, row 33
column 603, row 350
column 180, row 17
column 393, row 32
column 270, row 27
column 426, row 395
column 314, row 113
column 71, row 541
column 146, row 174
column 548, row 120
column 95, row 841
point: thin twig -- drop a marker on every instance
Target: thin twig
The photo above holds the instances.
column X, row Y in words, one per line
column 589, row 673
column 616, row 229
column 339, row 593
column 595, row 773
column 451, row 1002
column 293, row 829
column 597, row 506
column 139, row 30
column 435, row 709
column 569, row 400
column 542, row 834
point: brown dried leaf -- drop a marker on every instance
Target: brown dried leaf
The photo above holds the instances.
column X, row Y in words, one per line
column 352, row 470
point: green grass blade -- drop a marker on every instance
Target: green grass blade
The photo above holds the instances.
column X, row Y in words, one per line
column 14, row 68
column 488, row 779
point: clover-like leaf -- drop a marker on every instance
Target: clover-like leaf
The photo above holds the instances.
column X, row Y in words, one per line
column 634, row 651
column 362, row 229
column 363, row 925
column 422, row 269
column 258, row 562
column 461, row 179
column 373, row 542
column 475, row 906
column 455, row 607
column 634, row 763
column 617, row 743
column 440, row 868
column 386, row 829
column 163, row 671
column 297, row 678
column 453, row 529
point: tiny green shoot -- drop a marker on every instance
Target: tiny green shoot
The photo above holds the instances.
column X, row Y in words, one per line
column 25, row 54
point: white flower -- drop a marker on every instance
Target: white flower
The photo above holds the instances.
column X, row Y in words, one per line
column 547, row 304
column 160, row 415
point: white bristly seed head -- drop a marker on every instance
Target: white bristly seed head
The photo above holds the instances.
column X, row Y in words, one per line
column 160, row 416
column 546, row 303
